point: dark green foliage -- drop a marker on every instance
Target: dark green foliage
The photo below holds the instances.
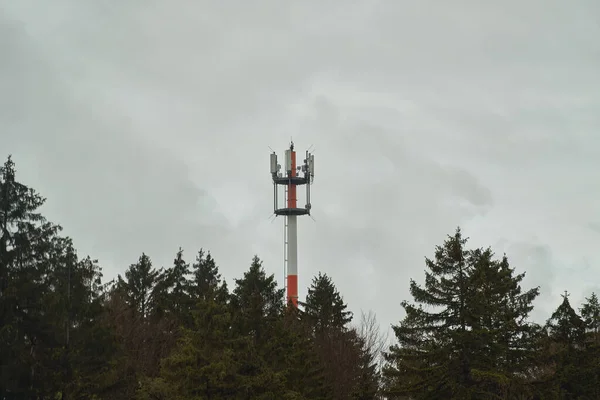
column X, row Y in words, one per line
column 349, row 366
column 590, row 313
column 141, row 280
column 179, row 333
column 565, row 326
column 179, row 297
column 207, row 280
column 566, row 351
column 51, row 336
column 468, row 337
column 89, row 344
column 432, row 358
column 256, row 302
column 324, row 306
column 294, row 353
column 504, row 343
column 367, row 380
column 206, row 363
column 25, row 237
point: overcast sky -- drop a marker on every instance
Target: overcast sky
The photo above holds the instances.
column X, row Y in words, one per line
column 146, row 124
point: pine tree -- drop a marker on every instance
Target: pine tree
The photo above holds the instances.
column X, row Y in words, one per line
column 257, row 302
column 206, row 362
column 257, row 306
column 292, row 352
column 503, row 341
column 367, row 381
column 89, row 345
column 120, row 317
column 145, row 337
column 566, row 331
column 27, row 244
column 141, row 280
column 180, row 301
column 207, row 280
column 324, row 306
column 590, row 313
column 474, row 340
column 432, row 358
column 565, row 326
column 348, row 366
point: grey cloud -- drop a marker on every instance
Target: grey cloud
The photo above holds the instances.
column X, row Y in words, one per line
column 594, row 226
column 552, row 274
column 119, row 194
column 146, row 124
column 376, row 213
column 539, row 264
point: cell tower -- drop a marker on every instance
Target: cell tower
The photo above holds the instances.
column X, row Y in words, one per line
column 295, row 176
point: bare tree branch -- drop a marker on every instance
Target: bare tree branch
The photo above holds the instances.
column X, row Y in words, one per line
column 376, row 342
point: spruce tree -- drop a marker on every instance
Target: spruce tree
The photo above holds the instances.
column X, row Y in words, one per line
column 367, row 379
column 503, row 341
column 324, row 307
column 144, row 336
column 207, row 280
column 565, row 325
column 257, row 302
column 89, row 345
column 566, row 331
column 469, row 336
column 348, row 366
column 432, row 359
column 207, row 360
column 257, row 306
column 590, row 313
column 28, row 243
column 292, row 352
column 140, row 282
column 180, row 301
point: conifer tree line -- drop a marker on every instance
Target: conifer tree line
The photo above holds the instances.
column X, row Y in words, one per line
column 180, row 332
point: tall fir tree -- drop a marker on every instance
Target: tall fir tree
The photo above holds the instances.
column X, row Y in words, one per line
column 590, row 313
column 207, row 280
column 257, row 306
column 566, row 334
column 89, row 345
column 207, row 360
column 324, row 307
column 432, row 358
column 565, row 325
column 28, row 243
column 136, row 311
column 257, row 302
column 141, row 279
column 180, row 301
column 349, row 367
column 474, row 340
column 503, row 341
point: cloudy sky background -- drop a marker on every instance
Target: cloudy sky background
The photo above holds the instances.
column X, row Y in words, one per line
column 146, row 124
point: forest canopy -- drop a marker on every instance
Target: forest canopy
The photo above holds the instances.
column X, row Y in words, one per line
column 180, row 332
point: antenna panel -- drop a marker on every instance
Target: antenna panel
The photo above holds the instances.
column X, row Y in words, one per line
column 288, row 160
column 273, row 163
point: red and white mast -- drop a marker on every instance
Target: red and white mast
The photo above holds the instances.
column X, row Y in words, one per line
column 291, row 211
